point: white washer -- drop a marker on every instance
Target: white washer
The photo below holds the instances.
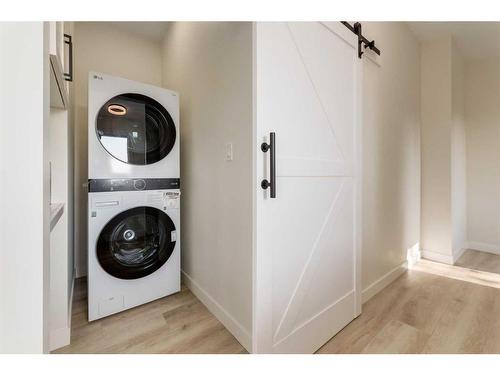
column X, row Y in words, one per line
column 134, row 248
column 133, row 129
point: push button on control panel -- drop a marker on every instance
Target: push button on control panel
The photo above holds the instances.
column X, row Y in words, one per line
column 139, row 184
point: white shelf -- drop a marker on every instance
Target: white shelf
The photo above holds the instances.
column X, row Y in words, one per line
column 56, row 211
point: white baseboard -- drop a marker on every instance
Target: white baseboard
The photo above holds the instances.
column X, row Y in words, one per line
column 70, row 307
column 59, row 337
column 437, row 257
column 80, row 272
column 233, row 326
column 457, row 254
column 384, row 281
column 444, row 258
column 62, row 336
column 481, row 246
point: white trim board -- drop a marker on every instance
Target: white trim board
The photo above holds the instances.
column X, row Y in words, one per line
column 232, row 325
column 481, row 246
column 437, row 257
column 80, row 271
column 457, row 254
column 59, row 337
column 444, row 258
column 383, row 282
column 71, row 294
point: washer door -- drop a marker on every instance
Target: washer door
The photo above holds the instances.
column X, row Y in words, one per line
column 135, row 129
column 136, row 242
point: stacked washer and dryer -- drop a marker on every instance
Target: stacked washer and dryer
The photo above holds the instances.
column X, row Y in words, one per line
column 134, row 194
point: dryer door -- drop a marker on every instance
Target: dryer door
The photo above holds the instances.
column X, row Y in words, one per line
column 135, row 129
column 136, row 243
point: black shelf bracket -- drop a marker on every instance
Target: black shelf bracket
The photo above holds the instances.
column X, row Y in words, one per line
column 363, row 43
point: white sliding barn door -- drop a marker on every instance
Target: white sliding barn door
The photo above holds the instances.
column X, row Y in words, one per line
column 307, row 256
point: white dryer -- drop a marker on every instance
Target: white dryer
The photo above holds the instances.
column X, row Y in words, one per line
column 133, row 129
column 134, row 245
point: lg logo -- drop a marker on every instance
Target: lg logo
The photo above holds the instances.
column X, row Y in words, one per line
column 97, row 77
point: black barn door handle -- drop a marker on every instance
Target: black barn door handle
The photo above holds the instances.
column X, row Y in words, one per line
column 272, row 147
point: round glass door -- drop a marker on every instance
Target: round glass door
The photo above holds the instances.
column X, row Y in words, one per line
column 136, row 242
column 135, row 129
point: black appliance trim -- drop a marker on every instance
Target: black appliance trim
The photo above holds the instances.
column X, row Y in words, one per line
column 132, row 184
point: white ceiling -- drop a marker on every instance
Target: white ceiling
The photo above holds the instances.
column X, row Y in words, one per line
column 474, row 40
column 149, row 30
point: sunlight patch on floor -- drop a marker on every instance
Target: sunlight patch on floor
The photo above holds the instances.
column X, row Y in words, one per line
column 458, row 273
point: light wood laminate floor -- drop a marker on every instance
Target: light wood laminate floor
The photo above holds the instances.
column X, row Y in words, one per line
column 179, row 323
column 479, row 260
column 429, row 309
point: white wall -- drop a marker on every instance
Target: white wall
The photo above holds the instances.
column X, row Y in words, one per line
column 391, row 150
column 458, row 157
column 24, row 192
column 443, row 220
column 103, row 48
column 436, row 147
column 482, row 98
column 210, row 65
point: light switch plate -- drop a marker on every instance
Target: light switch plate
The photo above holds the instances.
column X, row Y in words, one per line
column 229, row 151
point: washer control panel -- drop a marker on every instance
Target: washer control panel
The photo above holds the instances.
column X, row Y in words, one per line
column 132, row 184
